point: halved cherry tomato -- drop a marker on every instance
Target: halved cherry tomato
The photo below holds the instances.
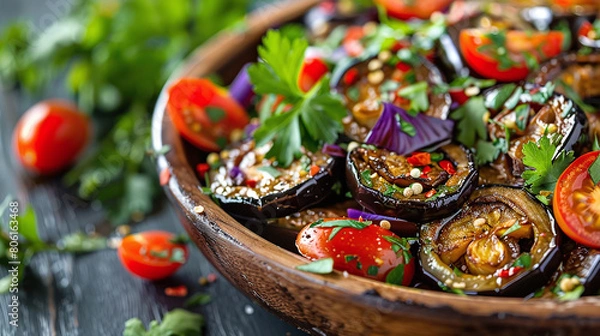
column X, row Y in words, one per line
column 152, row 255
column 408, row 9
column 204, row 113
column 541, row 45
column 312, row 71
column 50, row 136
column 351, row 42
column 364, row 252
column 576, row 202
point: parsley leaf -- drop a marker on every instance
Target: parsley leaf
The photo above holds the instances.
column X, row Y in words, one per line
column 545, row 171
column 321, row 266
column 486, row 152
column 177, row 322
column 197, row 299
column 396, row 275
column 497, row 98
column 471, row 125
column 524, row 260
column 315, row 116
column 339, row 224
column 417, row 94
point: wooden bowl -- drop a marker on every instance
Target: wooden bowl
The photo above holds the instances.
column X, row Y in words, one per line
column 329, row 304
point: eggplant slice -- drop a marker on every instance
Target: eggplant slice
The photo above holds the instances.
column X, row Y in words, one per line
column 247, row 185
column 364, row 85
column 576, row 76
column 529, row 112
column 378, row 179
column 503, row 242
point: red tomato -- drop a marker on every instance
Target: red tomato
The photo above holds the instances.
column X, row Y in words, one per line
column 351, row 42
column 204, row 113
column 312, row 71
column 363, row 252
column 576, row 202
column 541, row 45
column 402, row 9
column 50, row 136
column 419, row 159
column 152, row 255
column 572, row 3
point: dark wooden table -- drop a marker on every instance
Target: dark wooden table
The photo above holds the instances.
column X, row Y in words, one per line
column 92, row 294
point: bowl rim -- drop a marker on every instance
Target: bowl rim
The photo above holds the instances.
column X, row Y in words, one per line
column 183, row 192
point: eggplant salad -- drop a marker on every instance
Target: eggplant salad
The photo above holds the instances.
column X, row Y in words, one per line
column 446, row 145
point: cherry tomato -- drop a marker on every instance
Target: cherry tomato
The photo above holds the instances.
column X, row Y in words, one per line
column 364, row 252
column 312, row 71
column 403, row 10
column 204, row 113
column 573, row 3
column 541, row 45
column 576, row 202
column 351, row 42
column 50, row 136
column 152, row 255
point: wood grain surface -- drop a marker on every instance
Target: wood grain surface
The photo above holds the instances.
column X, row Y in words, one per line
column 334, row 304
column 92, row 294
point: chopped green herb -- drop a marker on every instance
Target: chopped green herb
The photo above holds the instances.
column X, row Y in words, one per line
column 486, row 152
column 417, row 94
column 349, row 258
column 270, row 170
column 451, row 290
column 471, row 124
column 339, row 224
column 522, row 116
column 543, row 94
column 594, row 170
column 215, row 114
column 406, row 127
column 511, row 229
column 163, row 254
column 437, row 157
column 178, row 255
column 358, row 265
column 498, row 98
column 575, row 97
column 321, row 266
column 353, row 93
column 396, row 275
column 176, row 322
column 524, row 260
column 514, row 99
column 457, row 271
column 366, row 177
column 197, row 299
column 372, row 270
column 389, row 85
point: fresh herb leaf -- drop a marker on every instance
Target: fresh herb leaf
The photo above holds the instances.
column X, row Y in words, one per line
column 372, row 270
column 575, row 97
column 418, row 96
column 81, row 243
column 447, row 289
column 471, row 125
column 349, row 258
column 321, row 266
column 486, row 152
column 396, row 275
column 366, row 177
column 573, row 294
column 315, row 116
column 522, row 116
column 524, row 260
column 457, row 272
column 498, row 98
column 406, row 127
column 340, row 224
column 177, row 322
column 545, row 170
column 511, row 229
column 215, row 114
column 594, row 170
column 514, row 99
column 197, row 299
column 274, row 173
column 543, row 94
column 353, row 93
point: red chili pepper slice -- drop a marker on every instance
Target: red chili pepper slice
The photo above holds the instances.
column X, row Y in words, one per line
column 314, row 170
column 351, row 76
column 505, row 273
column 425, row 171
column 251, row 183
column 202, row 169
column 430, row 193
column 448, row 167
column 419, row 159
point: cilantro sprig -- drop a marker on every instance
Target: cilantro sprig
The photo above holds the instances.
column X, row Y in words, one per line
column 315, row 116
column 545, row 168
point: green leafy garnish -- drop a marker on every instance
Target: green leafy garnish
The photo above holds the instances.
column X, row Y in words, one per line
column 321, row 266
column 499, row 97
column 543, row 94
column 417, row 94
column 315, row 116
column 447, row 289
column 486, row 152
column 396, row 275
column 511, row 229
column 366, row 177
column 545, row 170
column 270, row 170
column 463, row 83
column 594, row 170
column 372, row 270
column 524, row 260
column 177, row 322
column 349, row 258
column 575, row 97
column 471, row 124
column 197, row 299
column 340, row 224
column 522, row 116
column 570, row 295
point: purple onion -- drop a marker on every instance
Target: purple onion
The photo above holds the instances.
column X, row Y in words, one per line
column 333, row 150
column 241, row 89
column 355, row 213
column 250, row 129
column 237, row 175
column 387, row 132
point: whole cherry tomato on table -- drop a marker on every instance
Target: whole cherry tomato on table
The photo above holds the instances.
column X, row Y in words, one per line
column 576, row 202
column 152, row 255
column 50, row 136
column 365, row 250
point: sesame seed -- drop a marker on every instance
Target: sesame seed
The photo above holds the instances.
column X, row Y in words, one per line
column 385, row 224
column 199, row 209
column 415, row 172
column 417, row 188
column 375, row 64
column 407, row 192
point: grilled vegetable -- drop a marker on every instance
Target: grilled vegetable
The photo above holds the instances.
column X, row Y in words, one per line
column 246, row 184
column 502, row 242
column 365, row 85
column 419, row 187
column 523, row 114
